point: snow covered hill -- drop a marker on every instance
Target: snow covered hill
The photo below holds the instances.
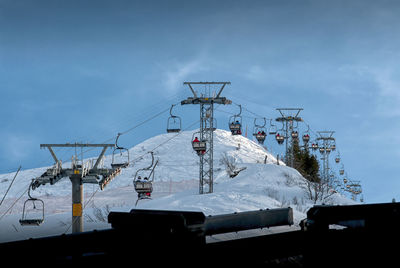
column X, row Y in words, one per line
column 263, row 184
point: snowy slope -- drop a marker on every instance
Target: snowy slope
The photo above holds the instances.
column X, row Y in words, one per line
column 176, row 186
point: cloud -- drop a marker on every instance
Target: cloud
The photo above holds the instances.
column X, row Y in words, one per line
column 388, row 92
column 180, row 71
column 19, row 147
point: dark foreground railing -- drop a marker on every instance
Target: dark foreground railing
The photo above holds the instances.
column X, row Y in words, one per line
column 368, row 236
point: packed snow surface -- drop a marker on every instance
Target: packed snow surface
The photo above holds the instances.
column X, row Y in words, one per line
column 263, row 184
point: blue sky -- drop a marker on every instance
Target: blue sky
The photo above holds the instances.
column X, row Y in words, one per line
column 85, row 70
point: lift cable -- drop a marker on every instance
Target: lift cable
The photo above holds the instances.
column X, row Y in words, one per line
column 16, row 174
column 132, row 128
column 165, row 142
column 13, row 204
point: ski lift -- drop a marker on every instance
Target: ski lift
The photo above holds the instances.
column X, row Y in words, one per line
column 235, row 123
column 337, row 158
column 259, row 131
column 144, row 187
column 200, row 146
column 119, row 164
column 306, row 135
column 174, row 123
column 306, row 138
column 341, row 170
column 279, row 138
column 314, row 146
column 38, row 211
column 272, row 128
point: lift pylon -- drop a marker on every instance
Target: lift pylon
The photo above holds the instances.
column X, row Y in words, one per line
column 326, row 141
column 287, row 118
column 206, row 102
column 79, row 173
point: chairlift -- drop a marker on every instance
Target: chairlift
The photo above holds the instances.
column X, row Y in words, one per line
column 280, row 138
column 306, row 138
column 143, row 180
column 174, row 123
column 341, row 170
column 314, row 146
column 235, row 123
column 200, row 146
column 36, row 212
column 337, row 158
column 120, row 164
column 306, row 135
column 260, row 131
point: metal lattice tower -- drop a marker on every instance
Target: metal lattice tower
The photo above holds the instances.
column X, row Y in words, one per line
column 206, row 102
column 327, row 146
column 287, row 118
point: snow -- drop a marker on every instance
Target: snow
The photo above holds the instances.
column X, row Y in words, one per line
column 259, row 186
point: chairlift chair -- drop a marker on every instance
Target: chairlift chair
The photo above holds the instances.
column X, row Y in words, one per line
column 260, row 131
column 144, row 188
column 306, row 138
column 314, row 146
column 341, row 170
column 306, row 135
column 235, row 123
column 279, row 138
column 119, row 164
column 260, row 136
column 199, row 146
column 38, row 219
column 174, row 123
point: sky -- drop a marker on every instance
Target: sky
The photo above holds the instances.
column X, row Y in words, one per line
column 82, row 71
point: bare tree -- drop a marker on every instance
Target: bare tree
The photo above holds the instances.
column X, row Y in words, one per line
column 231, row 165
column 318, row 191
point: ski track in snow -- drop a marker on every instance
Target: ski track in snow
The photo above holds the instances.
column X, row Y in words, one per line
column 259, row 186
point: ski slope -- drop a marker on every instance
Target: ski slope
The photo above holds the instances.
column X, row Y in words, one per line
column 263, row 184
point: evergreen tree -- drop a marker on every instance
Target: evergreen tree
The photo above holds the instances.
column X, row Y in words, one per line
column 304, row 162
